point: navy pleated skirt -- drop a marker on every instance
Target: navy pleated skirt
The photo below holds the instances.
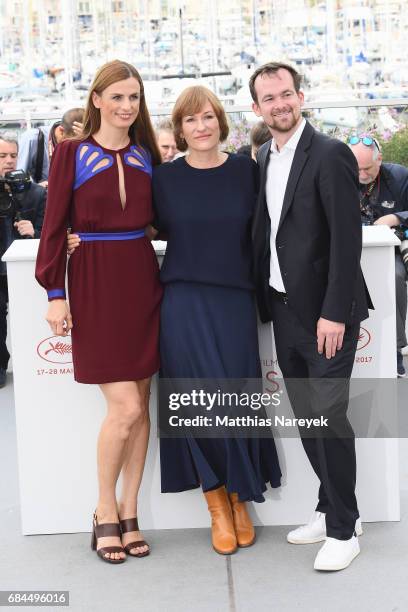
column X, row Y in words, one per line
column 208, row 331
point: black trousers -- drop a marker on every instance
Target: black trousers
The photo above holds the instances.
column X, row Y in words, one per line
column 4, row 354
column 318, row 386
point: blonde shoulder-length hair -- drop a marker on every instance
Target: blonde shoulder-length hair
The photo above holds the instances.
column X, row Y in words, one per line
column 141, row 131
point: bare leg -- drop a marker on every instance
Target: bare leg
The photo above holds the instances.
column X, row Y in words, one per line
column 124, row 413
column 133, row 465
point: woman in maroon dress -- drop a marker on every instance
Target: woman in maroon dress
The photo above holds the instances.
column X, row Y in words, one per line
column 100, row 185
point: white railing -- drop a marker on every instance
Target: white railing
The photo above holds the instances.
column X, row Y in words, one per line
column 41, row 117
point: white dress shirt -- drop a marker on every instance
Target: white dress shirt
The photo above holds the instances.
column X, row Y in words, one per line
column 280, row 163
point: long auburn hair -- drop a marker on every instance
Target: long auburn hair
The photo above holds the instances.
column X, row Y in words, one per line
column 141, row 131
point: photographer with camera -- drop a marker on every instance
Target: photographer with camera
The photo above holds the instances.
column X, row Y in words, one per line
column 22, row 204
column 384, row 201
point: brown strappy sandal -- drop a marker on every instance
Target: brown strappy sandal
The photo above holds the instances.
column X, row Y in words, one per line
column 131, row 524
column 102, row 531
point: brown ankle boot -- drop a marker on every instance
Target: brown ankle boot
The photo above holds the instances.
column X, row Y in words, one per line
column 224, row 540
column 244, row 529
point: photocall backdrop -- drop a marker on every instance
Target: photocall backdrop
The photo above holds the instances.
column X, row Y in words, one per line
column 58, row 420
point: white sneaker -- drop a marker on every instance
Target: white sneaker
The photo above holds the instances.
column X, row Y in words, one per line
column 337, row 554
column 315, row 530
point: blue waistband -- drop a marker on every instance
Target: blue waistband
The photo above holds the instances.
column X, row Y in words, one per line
column 85, row 237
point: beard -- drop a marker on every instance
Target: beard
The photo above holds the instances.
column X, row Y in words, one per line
column 367, row 181
column 276, row 124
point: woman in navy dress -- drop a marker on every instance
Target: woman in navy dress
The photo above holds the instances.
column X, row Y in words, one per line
column 204, row 204
column 100, row 185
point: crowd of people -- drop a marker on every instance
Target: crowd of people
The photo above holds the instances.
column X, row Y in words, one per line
column 230, row 221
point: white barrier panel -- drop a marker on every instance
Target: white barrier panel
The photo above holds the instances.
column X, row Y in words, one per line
column 58, row 420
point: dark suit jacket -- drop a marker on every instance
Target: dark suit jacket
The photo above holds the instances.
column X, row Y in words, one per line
column 319, row 237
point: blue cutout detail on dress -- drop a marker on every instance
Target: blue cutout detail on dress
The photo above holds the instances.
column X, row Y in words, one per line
column 83, row 172
column 143, row 156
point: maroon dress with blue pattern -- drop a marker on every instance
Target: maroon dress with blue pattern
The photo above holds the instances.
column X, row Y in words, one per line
column 113, row 286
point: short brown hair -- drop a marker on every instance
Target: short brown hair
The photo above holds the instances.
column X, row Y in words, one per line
column 191, row 101
column 272, row 68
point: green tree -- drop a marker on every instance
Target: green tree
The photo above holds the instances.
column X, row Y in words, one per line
column 395, row 150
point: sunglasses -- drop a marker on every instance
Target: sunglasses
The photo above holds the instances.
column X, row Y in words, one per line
column 366, row 140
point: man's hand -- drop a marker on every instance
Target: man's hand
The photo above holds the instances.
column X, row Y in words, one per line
column 44, row 184
column 390, row 220
column 24, row 228
column 329, row 337
column 151, row 232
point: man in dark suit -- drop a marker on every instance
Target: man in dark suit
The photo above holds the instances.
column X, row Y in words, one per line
column 307, row 246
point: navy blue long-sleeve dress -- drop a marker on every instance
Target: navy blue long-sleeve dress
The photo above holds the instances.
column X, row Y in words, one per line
column 208, row 318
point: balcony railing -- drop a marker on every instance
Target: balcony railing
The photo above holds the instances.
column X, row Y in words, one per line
column 338, row 117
